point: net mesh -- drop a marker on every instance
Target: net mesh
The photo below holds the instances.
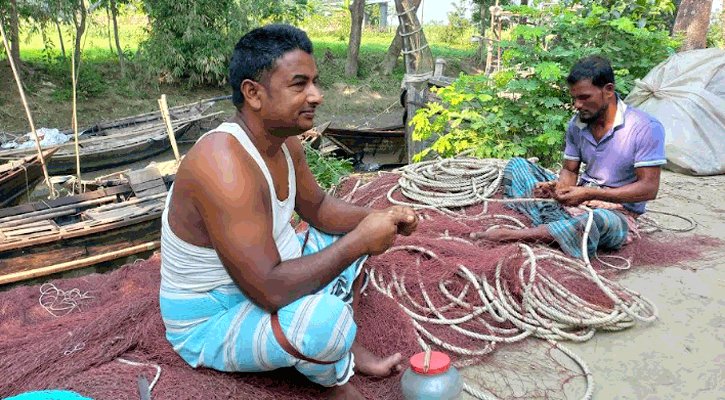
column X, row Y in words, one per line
column 116, row 315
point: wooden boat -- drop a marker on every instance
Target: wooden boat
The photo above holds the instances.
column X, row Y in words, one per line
column 122, row 141
column 380, row 145
column 43, row 238
column 167, row 169
column 18, row 177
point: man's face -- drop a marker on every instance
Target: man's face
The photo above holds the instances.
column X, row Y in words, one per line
column 290, row 94
column 589, row 100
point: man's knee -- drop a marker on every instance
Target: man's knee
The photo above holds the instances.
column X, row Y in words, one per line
column 518, row 162
column 612, row 228
column 329, row 328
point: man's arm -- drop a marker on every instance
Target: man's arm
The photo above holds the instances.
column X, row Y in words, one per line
column 233, row 200
column 324, row 212
column 569, row 174
column 645, row 188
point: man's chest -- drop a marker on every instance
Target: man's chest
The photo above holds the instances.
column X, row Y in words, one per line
column 612, row 155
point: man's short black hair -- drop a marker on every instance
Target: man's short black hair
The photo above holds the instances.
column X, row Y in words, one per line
column 596, row 68
column 258, row 50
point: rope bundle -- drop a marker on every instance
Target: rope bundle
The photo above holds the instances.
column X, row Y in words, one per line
column 545, row 309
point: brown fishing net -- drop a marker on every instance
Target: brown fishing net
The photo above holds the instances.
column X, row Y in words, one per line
column 76, row 333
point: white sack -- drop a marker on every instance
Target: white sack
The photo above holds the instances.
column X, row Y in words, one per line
column 687, row 94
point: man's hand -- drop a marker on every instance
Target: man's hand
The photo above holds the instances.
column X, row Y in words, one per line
column 572, row 196
column 410, row 224
column 545, row 190
column 378, row 229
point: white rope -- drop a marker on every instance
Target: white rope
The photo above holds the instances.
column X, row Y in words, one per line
column 140, row 364
column 406, row 11
column 405, row 34
column 58, row 302
column 545, row 309
column 416, row 78
column 415, row 50
column 650, row 224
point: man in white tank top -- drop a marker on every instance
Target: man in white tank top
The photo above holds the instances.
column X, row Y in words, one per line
column 239, row 292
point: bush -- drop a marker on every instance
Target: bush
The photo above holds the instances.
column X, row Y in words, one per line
column 327, row 170
column 192, row 40
column 523, row 110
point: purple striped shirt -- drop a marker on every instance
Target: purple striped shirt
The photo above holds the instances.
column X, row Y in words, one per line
column 636, row 140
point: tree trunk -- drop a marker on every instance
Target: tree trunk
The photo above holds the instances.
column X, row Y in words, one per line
column 357, row 9
column 80, row 29
column 418, row 56
column 391, row 58
column 693, row 19
column 14, row 33
column 60, row 38
column 418, row 62
column 108, row 27
column 114, row 14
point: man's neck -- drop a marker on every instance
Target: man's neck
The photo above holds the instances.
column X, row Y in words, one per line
column 266, row 143
column 605, row 122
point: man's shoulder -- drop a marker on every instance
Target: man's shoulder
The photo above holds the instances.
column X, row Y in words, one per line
column 638, row 119
column 573, row 126
column 217, row 157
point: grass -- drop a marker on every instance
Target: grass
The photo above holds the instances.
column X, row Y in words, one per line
column 104, row 93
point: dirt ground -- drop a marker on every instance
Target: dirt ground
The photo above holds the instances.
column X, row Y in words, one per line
column 682, row 354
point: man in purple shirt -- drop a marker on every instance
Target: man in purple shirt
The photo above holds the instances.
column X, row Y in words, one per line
column 622, row 149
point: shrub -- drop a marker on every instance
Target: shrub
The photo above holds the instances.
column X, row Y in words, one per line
column 523, row 110
column 192, row 40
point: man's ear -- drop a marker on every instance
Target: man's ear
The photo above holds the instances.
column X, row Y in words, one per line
column 250, row 92
column 609, row 89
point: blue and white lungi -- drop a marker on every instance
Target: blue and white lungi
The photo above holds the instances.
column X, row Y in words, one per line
column 609, row 230
column 224, row 330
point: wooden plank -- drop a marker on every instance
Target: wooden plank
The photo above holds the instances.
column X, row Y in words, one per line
column 83, row 231
column 140, row 187
column 142, row 175
column 152, row 191
column 75, row 264
column 20, row 231
column 23, row 210
column 147, row 181
column 125, row 212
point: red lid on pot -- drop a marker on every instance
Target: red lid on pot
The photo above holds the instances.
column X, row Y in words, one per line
column 439, row 363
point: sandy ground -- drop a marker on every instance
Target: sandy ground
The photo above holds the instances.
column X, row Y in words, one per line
column 682, row 354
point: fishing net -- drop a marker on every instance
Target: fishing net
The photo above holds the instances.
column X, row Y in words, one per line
column 97, row 334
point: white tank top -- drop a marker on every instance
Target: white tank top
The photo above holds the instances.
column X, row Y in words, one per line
column 189, row 267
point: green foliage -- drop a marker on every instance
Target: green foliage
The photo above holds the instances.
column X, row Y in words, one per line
column 327, row 170
column 716, row 36
column 459, row 28
column 523, row 109
column 335, row 23
column 288, row 11
column 650, row 14
column 192, row 40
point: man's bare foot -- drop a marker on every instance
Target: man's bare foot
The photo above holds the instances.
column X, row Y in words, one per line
column 497, row 235
column 368, row 363
column 345, row 392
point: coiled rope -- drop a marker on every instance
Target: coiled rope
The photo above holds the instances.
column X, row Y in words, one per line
column 547, row 309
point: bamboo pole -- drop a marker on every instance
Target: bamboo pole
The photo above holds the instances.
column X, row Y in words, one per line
column 167, row 119
column 75, row 120
column 76, row 264
column 27, row 111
